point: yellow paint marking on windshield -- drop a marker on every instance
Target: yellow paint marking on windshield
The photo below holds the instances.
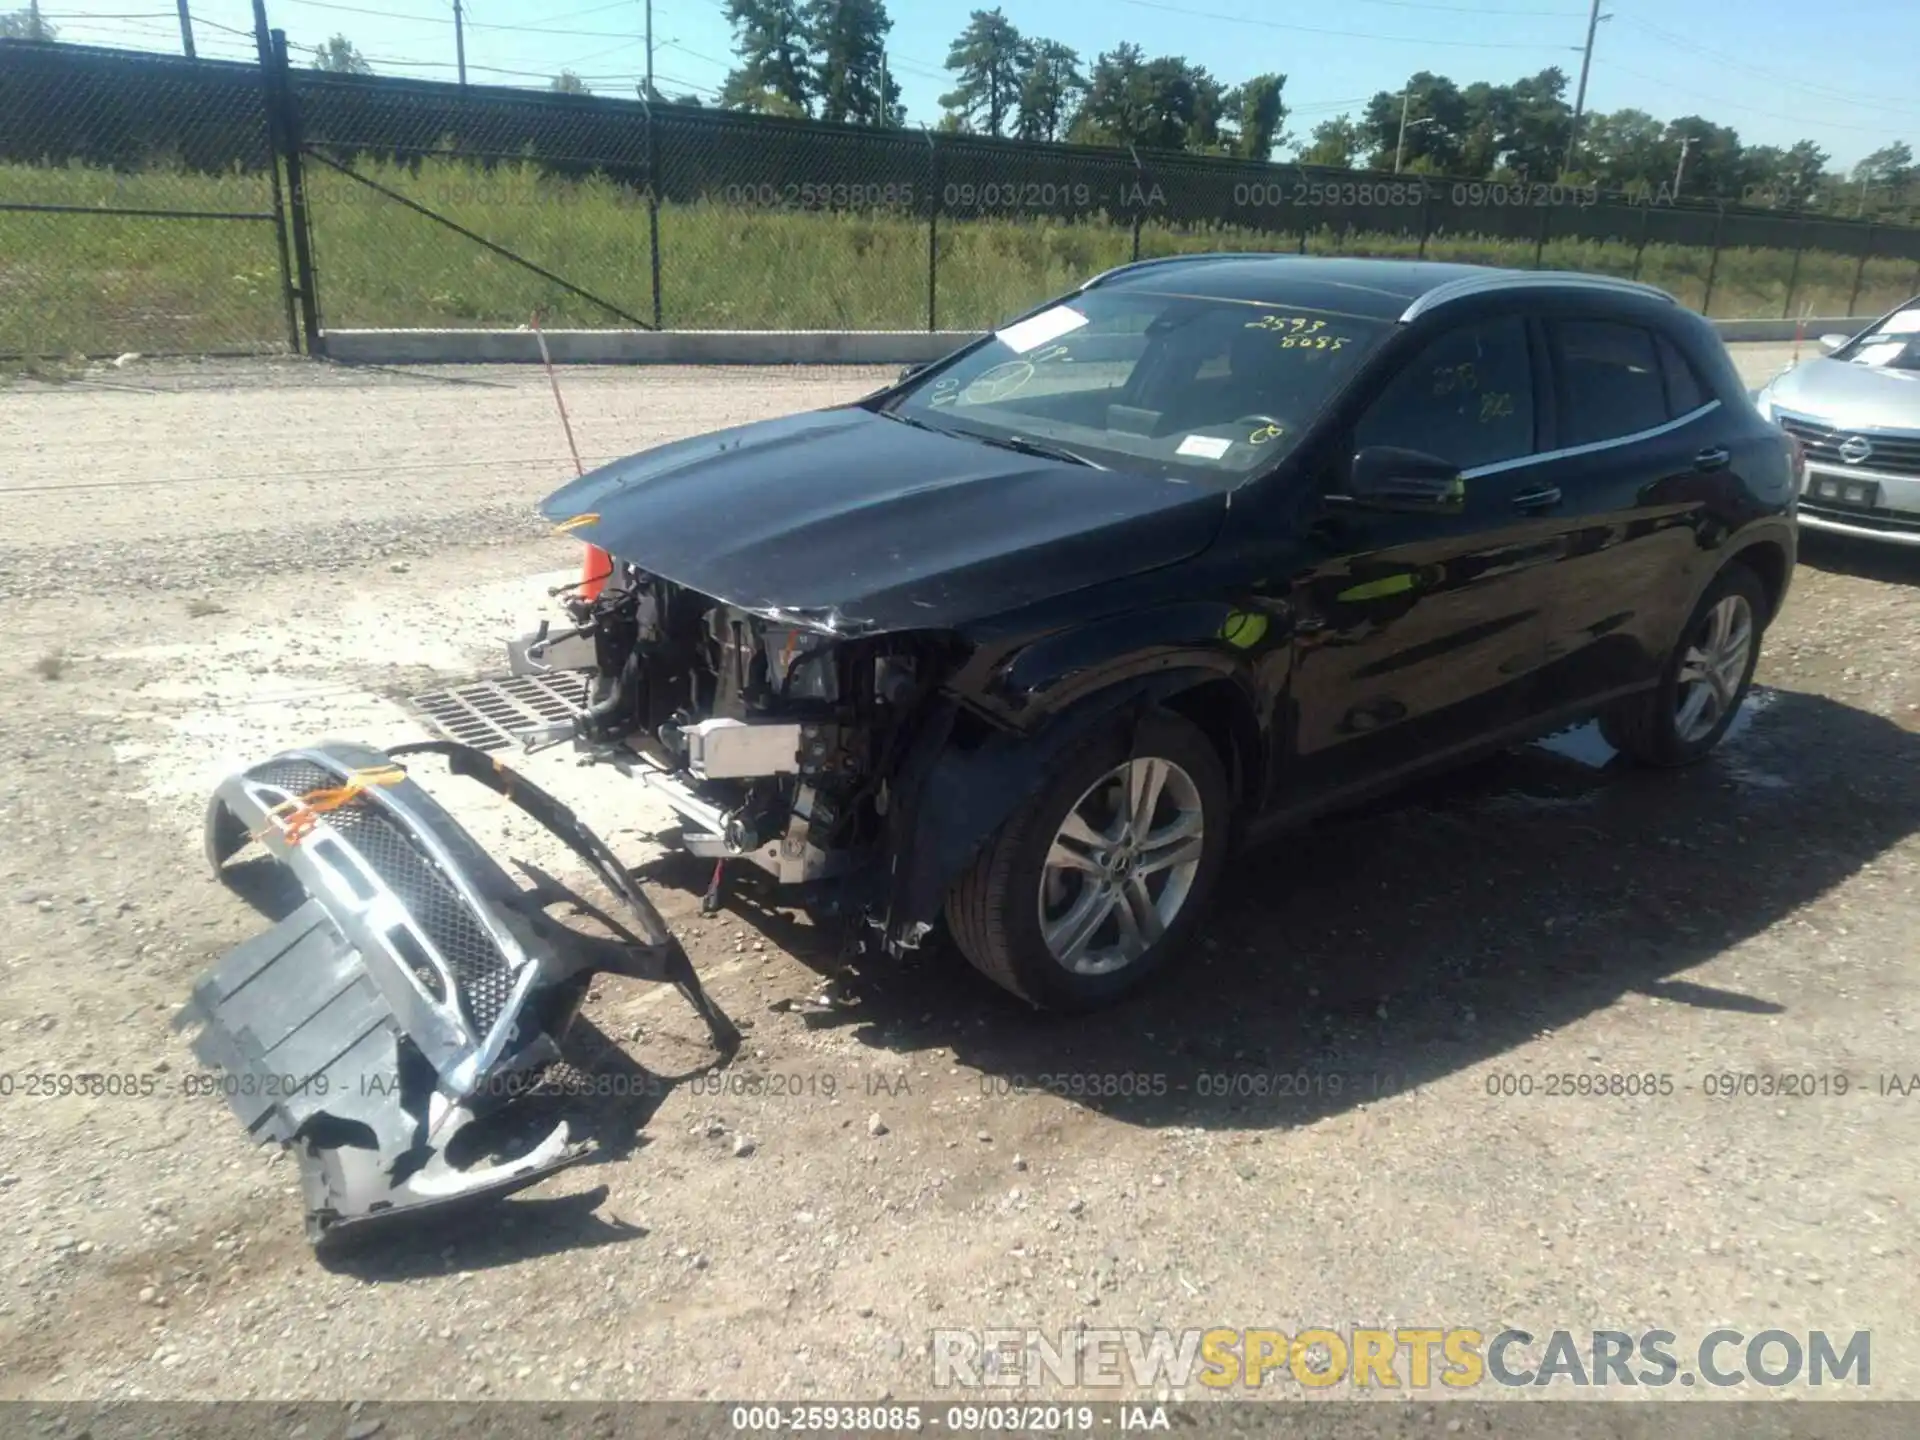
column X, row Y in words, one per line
column 1264, row 434
column 1286, row 324
column 1495, row 405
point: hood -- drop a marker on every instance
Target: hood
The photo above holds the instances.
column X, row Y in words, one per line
column 1850, row 396
column 856, row 523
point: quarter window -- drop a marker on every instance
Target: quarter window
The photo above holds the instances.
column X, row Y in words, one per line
column 1468, row 398
column 1611, row 382
column 1685, row 393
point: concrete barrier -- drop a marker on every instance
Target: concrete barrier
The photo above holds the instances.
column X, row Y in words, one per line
column 643, row 347
column 761, row 347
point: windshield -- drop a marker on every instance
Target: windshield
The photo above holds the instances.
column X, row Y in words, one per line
column 1890, row 344
column 1192, row 387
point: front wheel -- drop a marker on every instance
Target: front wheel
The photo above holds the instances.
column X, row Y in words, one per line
column 1103, row 875
column 1705, row 680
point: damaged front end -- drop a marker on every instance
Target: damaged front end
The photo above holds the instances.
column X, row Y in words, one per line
column 781, row 740
column 413, row 987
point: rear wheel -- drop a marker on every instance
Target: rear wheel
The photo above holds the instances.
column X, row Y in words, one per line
column 1103, row 876
column 1705, row 680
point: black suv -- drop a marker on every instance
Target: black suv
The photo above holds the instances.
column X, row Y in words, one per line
column 1025, row 642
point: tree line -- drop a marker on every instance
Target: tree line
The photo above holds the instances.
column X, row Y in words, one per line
column 827, row 60
column 806, row 57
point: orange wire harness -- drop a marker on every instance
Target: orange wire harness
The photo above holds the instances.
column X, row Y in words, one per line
column 297, row 817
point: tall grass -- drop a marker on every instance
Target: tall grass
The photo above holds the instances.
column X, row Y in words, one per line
column 100, row 283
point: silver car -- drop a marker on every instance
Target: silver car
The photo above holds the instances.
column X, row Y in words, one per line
column 1856, row 412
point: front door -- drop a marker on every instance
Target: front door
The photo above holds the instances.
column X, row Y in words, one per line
column 1421, row 635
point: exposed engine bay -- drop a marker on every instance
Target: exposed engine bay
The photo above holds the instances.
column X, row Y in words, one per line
column 777, row 742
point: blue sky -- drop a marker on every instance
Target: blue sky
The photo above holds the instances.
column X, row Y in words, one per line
column 1840, row 72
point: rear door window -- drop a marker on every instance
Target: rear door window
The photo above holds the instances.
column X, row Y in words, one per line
column 1611, row 384
column 1468, row 398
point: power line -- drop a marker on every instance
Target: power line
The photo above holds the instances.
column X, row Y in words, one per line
column 1351, row 34
column 1819, row 92
column 1675, row 85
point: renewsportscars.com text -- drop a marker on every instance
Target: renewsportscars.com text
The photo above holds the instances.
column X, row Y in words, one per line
column 1402, row 1358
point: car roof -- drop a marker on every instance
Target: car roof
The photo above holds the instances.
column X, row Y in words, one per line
column 1378, row 289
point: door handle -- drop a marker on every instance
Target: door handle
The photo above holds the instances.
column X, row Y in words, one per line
column 1543, row 497
column 1713, row 458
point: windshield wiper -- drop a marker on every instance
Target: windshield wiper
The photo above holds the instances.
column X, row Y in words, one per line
column 1005, row 442
column 1034, row 447
column 909, row 420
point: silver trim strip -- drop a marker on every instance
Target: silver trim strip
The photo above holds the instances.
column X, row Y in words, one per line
column 1891, row 537
column 1590, row 447
column 1868, row 432
column 1843, row 471
column 1526, row 280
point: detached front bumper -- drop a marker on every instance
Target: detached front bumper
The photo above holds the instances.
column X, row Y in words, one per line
column 412, row 987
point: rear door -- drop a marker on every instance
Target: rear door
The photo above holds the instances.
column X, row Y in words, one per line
column 1420, row 635
column 1637, row 458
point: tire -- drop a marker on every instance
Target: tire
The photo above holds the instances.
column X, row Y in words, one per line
column 1650, row 729
column 995, row 910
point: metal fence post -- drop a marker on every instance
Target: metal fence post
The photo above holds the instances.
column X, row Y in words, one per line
column 1860, row 270
column 1139, row 197
column 653, row 204
column 1640, row 248
column 263, row 45
column 933, row 232
column 281, row 97
column 1793, row 275
column 1426, row 214
column 1713, row 262
column 1540, row 240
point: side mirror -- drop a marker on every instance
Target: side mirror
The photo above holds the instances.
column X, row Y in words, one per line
column 1831, row 343
column 1385, row 477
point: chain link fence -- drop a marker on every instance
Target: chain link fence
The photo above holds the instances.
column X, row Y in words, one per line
column 137, row 206
column 140, row 209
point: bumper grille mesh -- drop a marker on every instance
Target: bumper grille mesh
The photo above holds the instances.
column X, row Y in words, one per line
column 479, row 969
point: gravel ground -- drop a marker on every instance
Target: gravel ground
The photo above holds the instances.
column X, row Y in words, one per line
column 204, row 562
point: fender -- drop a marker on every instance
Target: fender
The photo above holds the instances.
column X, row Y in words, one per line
column 1057, row 672
column 1776, row 532
column 950, row 798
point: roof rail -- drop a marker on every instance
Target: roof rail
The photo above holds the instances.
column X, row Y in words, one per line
column 1133, row 265
column 1520, row 279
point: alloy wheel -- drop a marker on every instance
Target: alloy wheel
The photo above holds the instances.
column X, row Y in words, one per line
column 1121, row 866
column 1712, row 668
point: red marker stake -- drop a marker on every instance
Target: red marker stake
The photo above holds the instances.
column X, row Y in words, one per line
column 598, row 564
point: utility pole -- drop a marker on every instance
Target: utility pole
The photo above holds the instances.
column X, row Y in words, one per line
column 1680, row 170
column 1400, row 147
column 459, row 39
column 186, row 31
column 881, row 119
column 1580, row 95
column 649, row 52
